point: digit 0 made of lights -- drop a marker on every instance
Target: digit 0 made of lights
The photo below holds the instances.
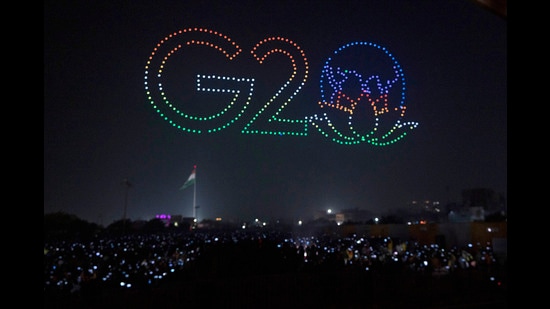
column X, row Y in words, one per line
column 361, row 99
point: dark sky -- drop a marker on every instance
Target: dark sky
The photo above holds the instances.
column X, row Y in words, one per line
column 449, row 69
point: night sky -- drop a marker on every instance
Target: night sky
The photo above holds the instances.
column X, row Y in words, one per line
column 101, row 127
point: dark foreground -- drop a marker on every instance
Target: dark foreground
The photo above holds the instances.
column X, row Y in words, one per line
column 340, row 289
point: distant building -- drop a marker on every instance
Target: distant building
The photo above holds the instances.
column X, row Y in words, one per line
column 176, row 219
column 479, row 202
column 428, row 206
column 488, row 199
column 164, row 218
column 345, row 215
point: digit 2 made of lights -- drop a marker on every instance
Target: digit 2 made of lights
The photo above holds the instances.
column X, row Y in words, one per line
column 362, row 89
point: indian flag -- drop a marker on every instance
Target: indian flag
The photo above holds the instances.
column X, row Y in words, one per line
column 191, row 180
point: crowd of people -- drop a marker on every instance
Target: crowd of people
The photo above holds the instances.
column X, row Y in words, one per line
column 130, row 263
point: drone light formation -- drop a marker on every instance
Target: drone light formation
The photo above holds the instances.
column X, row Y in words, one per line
column 349, row 93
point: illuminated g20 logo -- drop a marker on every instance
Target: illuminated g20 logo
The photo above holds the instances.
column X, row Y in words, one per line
column 362, row 89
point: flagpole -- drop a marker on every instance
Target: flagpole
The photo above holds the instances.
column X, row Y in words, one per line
column 127, row 186
column 191, row 181
column 195, row 196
